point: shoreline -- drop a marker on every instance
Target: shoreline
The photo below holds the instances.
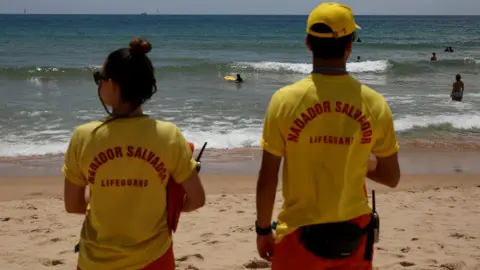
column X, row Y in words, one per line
column 24, row 188
column 245, row 161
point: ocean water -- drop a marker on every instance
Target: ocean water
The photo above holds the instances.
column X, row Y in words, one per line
column 46, row 65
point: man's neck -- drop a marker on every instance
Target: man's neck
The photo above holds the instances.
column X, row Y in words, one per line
column 336, row 63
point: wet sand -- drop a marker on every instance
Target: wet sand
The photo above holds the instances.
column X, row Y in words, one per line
column 427, row 158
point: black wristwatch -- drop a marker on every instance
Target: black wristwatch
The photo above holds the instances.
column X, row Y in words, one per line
column 262, row 231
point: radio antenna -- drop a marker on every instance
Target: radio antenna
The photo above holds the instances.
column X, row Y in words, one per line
column 201, row 151
column 373, row 201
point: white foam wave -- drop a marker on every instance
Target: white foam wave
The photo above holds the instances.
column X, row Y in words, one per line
column 34, row 113
column 246, row 137
column 471, row 60
column 222, row 134
column 220, row 137
column 400, row 99
column 35, row 81
column 32, row 148
column 357, row 67
column 458, row 121
column 368, row 66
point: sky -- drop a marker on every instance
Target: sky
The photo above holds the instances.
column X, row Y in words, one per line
column 360, row 7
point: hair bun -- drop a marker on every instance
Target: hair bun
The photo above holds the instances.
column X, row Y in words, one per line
column 140, row 46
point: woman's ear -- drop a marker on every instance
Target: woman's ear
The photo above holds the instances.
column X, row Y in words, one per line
column 117, row 92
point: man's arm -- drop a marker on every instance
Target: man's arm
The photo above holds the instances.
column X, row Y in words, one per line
column 387, row 171
column 267, row 188
column 273, row 145
column 463, row 87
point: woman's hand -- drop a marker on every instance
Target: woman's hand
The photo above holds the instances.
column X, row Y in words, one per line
column 372, row 163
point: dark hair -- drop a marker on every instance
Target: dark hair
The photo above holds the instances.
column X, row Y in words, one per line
column 458, row 77
column 328, row 48
column 133, row 71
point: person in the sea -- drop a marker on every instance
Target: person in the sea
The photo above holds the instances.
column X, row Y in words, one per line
column 239, row 79
column 457, row 88
column 126, row 162
column 324, row 127
column 358, row 58
column 359, row 40
column 448, row 49
column 434, row 57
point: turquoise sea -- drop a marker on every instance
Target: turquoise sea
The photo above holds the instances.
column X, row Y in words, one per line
column 46, row 62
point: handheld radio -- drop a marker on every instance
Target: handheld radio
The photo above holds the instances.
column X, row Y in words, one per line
column 376, row 220
column 199, row 165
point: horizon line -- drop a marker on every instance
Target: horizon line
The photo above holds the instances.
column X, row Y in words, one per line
column 227, row 14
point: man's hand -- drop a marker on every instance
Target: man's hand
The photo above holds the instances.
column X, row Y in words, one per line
column 265, row 245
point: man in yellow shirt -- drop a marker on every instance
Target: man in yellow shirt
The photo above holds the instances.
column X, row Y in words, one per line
column 325, row 127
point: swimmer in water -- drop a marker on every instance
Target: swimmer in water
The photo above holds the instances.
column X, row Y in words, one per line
column 457, row 89
column 358, row 58
column 448, row 49
column 239, row 79
column 434, row 57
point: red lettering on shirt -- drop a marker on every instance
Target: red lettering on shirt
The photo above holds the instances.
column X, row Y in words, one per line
column 131, row 152
column 124, row 183
column 318, row 109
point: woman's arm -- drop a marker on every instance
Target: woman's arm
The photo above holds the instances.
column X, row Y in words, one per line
column 74, row 198
column 195, row 194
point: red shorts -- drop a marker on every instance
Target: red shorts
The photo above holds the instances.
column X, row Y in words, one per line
column 290, row 254
column 166, row 262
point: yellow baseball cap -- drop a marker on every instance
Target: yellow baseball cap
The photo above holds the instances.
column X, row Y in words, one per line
column 336, row 16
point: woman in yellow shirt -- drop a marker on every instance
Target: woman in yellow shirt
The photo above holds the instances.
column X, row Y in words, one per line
column 126, row 161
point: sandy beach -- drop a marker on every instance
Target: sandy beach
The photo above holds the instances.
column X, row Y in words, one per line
column 429, row 222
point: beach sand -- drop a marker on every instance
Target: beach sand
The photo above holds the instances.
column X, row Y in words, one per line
column 428, row 222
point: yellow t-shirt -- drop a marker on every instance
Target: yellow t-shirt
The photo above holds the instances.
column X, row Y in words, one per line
column 325, row 127
column 126, row 164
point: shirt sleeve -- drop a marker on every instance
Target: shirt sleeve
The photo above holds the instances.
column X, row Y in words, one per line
column 386, row 143
column 182, row 163
column 71, row 168
column 273, row 140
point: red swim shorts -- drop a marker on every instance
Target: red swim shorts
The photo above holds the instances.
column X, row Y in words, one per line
column 166, row 262
column 290, row 254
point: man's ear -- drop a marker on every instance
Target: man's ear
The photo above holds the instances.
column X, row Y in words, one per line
column 349, row 46
column 307, row 42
